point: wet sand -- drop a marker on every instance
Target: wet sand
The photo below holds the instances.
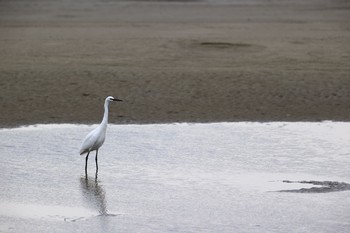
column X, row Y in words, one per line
column 186, row 61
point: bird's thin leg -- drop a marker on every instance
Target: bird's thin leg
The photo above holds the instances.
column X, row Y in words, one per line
column 86, row 162
column 96, row 162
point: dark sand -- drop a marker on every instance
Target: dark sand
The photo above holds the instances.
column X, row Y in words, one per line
column 174, row 61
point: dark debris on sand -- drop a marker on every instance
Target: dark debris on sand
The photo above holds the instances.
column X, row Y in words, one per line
column 325, row 187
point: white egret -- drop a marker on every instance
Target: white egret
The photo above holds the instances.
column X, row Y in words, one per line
column 95, row 139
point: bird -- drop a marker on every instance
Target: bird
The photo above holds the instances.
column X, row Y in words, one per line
column 95, row 139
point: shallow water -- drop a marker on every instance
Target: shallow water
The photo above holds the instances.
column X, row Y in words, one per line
column 221, row 177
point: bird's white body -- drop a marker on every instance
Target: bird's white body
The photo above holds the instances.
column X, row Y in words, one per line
column 95, row 139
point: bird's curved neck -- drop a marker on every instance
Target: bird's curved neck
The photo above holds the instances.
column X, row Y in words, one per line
column 105, row 115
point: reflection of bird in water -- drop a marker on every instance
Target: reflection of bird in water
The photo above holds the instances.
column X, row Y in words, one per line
column 94, row 194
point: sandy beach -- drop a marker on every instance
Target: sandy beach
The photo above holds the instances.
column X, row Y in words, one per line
column 174, row 61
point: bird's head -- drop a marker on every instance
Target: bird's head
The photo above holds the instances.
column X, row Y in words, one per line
column 111, row 98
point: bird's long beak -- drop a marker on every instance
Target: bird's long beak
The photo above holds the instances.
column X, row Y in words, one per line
column 117, row 99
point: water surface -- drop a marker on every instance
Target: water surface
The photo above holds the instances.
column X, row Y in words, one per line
column 220, row 177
